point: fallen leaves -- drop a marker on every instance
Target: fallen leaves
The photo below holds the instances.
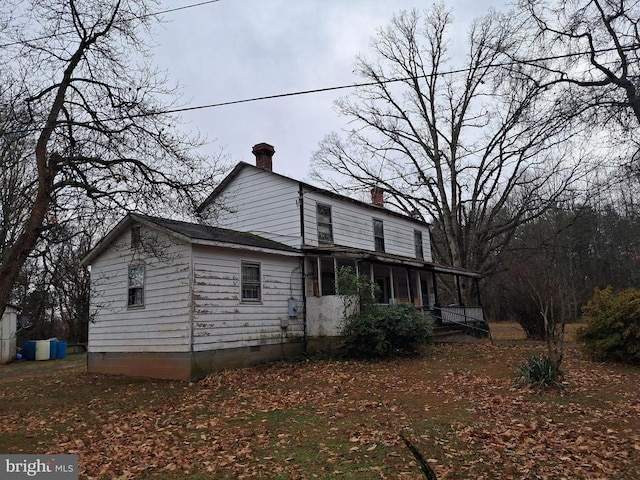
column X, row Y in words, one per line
column 339, row 419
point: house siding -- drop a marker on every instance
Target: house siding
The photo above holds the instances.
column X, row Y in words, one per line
column 221, row 320
column 162, row 324
column 259, row 202
column 353, row 227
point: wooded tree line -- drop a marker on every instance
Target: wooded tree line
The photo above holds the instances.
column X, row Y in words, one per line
column 519, row 147
column 555, row 263
column 521, row 150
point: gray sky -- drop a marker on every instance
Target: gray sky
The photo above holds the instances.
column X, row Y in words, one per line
column 237, row 49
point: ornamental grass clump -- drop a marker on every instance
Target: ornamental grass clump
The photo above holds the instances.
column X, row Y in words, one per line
column 540, row 372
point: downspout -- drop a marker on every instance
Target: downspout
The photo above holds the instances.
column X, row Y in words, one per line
column 304, row 261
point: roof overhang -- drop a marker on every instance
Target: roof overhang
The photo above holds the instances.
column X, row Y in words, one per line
column 386, row 258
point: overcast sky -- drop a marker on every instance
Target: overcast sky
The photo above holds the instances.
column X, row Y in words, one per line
column 238, row 49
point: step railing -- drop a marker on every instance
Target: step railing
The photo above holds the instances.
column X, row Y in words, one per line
column 461, row 316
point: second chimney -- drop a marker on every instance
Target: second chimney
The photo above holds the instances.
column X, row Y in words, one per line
column 377, row 196
column 264, row 153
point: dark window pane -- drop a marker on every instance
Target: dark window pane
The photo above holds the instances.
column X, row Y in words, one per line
column 378, row 234
column 136, row 285
column 417, row 237
column 250, row 288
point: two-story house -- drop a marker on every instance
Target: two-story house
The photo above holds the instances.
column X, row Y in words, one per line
column 255, row 280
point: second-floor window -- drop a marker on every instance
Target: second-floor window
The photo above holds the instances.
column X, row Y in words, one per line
column 417, row 239
column 378, row 235
column 136, row 286
column 325, row 227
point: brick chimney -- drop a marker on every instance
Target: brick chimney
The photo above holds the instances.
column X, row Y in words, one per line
column 264, row 152
column 377, row 196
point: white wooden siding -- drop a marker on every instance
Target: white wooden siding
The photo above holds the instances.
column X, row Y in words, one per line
column 353, row 227
column 222, row 320
column 260, row 202
column 162, row 325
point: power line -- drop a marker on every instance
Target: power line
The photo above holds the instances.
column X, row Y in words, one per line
column 334, row 88
column 139, row 17
column 353, row 85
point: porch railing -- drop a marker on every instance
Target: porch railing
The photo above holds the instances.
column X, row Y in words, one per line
column 462, row 314
column 471, row 318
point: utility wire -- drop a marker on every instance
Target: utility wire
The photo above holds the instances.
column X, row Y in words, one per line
column 367, row 84
column 139, row 17
column 333, row 88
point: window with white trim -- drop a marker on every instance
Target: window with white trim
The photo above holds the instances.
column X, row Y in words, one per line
column 417, row 239
column 378, row 235
column 325, row 227
column 136, row 286
column 251, row 284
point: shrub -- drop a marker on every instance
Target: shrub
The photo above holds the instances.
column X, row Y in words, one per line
column 357, row 291
column 539, row 372
column 612, row 326
column 386, row 331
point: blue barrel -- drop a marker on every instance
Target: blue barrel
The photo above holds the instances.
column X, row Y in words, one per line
column 53, row 349
column 61, row 350
column 29, row 350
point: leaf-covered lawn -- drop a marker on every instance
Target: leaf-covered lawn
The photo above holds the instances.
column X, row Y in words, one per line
column 334, row 419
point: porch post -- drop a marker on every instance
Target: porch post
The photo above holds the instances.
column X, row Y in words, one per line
column 435, row 288
column 319, row 276
column 436, row 305
column 392, row 292
column 409, row 285
column 423, row 295
column 372, row 279
column 476, row 281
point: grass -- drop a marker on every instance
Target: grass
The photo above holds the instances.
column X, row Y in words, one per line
column 511, row 331
column 333, row 419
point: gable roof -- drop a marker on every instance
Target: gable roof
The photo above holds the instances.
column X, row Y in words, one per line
column 243, row 165
column 191, row 233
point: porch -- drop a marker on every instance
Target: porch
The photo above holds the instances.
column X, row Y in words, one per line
column 451, row 296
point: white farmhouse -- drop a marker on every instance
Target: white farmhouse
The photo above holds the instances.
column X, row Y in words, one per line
column 255, row 280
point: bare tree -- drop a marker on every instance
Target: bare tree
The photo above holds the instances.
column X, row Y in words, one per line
column 471, row 148
column 591, row 50
column 92, row 111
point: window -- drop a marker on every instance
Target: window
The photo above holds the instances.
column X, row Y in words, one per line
column 250, row 285
column 136, row 286
column 135, row 236
column 378, row 235
column 325, row 228
column 417, row 239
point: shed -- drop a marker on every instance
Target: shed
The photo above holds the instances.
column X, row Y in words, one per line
column 8, row 334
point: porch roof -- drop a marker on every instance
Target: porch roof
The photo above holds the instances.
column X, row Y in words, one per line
column 382, row 257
